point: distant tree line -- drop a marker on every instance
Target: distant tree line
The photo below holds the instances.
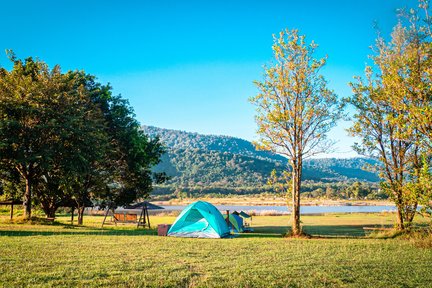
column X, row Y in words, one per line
column 193, row 166
column 66, row 140
column 346, row 190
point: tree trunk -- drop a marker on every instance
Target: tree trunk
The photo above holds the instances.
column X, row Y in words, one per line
column 49, row 208
column 72, row 214
column 409, row 215
column 400, row 220
column 27, row 198
column 412, row 214
column 50, row 213
column 81, row 215
column 296, row 183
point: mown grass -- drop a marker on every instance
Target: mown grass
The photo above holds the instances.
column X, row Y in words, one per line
column 59, row 255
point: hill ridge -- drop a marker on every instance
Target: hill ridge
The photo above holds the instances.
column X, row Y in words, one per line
column 195, row 159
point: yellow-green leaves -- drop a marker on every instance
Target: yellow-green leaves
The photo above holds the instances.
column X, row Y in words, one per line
column 393, row 105
column 295, row 109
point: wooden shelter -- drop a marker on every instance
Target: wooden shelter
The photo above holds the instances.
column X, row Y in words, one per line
column 11, row 203
column 126, row 216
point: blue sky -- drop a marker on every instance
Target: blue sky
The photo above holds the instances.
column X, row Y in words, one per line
column 190, row 65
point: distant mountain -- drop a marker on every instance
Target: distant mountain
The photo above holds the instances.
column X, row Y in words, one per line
column 176, row 139
column 194, row 159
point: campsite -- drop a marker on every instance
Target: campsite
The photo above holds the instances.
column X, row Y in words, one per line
column 338, row 255
column 216, row 143
column 341, row 252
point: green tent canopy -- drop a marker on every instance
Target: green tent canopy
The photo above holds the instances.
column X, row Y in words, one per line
column 236, row 222
column 200, row 220
column 242, row 214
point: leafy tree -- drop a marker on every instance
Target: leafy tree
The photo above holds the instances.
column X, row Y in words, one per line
column 71, row 140
column 295, row 108
column 385, row 102
column 330, row 192
column 11, row 186
column 85, row 144
column 42, row 117
column 280, row 183
column 123, row 174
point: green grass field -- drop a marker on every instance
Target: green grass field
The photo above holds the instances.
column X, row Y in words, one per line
column 62, row 255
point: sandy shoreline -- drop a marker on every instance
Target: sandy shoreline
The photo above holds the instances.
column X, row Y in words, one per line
column 257, row 201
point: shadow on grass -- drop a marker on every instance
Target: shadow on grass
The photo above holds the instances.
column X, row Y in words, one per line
column 259, row 232
column 335, row 231
column 316, row 231
column 266, row 232
column 259, row 235
column 100, row 232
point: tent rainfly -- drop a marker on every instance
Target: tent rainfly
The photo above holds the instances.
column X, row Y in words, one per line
column 200, row 220
column 236, row 222
column 242, row 214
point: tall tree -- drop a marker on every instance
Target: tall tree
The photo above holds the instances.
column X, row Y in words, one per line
column 69, row 139
column 123, row 173
column 392, row 112
column 295, row 108
column 42, row 116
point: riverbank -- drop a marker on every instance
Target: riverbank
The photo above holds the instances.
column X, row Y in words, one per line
column 273, row 201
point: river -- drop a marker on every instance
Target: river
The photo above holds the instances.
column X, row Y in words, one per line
column 303, row 209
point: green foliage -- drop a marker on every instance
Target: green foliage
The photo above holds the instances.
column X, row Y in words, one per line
column 281, row 183
column 392, row 108
column 47, row 123
column 295, row 108
column 424, row 189
column 221, row 165
column 69, row 141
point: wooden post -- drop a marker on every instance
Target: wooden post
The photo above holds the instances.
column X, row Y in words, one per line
column 141, row 218
column 146, row 211
column 11, row 214
column 115, row 218
column 106, row 214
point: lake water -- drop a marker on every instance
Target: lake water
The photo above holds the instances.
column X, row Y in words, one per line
column 303, row 209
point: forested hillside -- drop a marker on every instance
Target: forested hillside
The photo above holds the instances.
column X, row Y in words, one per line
column 176, row 139
column 195, row 160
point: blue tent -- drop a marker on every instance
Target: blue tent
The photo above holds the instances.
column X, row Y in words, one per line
column 200, row 220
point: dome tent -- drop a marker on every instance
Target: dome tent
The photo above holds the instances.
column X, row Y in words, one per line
column 236, row 222
column 200, row 220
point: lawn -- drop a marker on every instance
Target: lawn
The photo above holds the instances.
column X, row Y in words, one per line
column 64, row 255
